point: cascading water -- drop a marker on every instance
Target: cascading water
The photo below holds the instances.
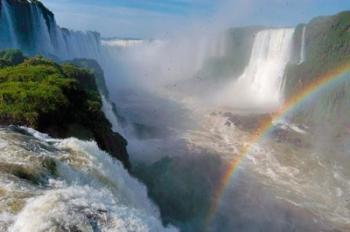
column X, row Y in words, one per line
column 45, row 37
column 107, row 108
column 85, row 189
column 302, row 48
column 8, row 34
column 68, row 185
column 41, row 35
column 209, row 48
column 261, row 84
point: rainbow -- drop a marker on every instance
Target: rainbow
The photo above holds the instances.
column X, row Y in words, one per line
column 327, row 79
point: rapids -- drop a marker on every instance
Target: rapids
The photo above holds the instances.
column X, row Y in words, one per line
column 63, row 185
column 276, row 188
column 301, row 186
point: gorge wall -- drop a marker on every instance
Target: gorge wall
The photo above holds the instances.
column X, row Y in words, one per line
column 326, row 48
column 327, row 45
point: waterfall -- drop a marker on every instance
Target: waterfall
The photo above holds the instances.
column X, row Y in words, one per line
column 39, row 33
column 302, row 47
column 42, row 36
column 107, row 108
column 7, row 29
column 261, row 84
column 207, row 48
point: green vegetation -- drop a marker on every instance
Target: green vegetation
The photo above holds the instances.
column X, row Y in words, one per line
column 38, row 91
column 11, row 57
column 61, row 100
column 94, row 68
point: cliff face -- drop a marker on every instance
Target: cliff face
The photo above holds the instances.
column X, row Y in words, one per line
column 99, row 78
column 61, row 100
column 96, row 69
column 181, row 175
column 327, row 46
column 238, row 47
column 229, row 54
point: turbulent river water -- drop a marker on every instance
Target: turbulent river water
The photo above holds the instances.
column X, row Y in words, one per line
column 68, row 185
column 286, row 182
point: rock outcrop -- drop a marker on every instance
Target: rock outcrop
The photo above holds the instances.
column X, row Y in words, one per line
column 61, row 100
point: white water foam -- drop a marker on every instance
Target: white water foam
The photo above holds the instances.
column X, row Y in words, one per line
column 261, row 84
column 90, row 191
column 107, row 108
column 302, row 48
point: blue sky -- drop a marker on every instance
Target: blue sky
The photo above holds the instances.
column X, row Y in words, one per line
column 153, row 18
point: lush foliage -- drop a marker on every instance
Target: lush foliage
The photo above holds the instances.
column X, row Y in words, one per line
column 61, row 100
column 37, row 92
column 11, row 57
column 94, row 68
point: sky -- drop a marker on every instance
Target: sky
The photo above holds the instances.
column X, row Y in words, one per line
column 156, row 18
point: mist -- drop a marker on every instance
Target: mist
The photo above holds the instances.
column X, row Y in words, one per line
column 192, row 97
column 235, row 115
